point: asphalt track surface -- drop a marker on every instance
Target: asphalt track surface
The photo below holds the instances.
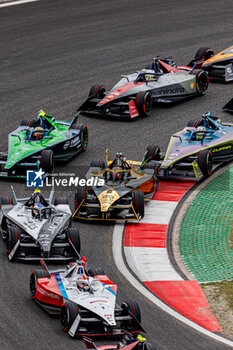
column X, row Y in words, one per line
column 51, row 52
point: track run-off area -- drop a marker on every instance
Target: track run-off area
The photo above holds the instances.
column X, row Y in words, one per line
column 52, row 52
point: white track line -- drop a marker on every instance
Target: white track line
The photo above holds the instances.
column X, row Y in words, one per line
column 19, row 2
column 117, row 256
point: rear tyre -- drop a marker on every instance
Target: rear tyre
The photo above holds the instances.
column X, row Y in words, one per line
column 202, row 81
column 6, row 200
column 83, row 134
column 195, row 123
column 144, row 103
column 61, row 200
column 47, row 161
column 28, row 122
column 152, row 152
column 96, row 271
column 74, row 236
column 97, row 91
column 33, row 280
column 12, row 239
column 138, row 203
column 69, row 312
column 204, row 53
column 131, row 307
column 205, row 162
column 80, row 195
column 97, row 164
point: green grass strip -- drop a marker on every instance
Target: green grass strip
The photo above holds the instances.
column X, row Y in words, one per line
column 206, row 230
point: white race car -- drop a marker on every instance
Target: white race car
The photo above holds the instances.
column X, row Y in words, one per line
column 86, row 301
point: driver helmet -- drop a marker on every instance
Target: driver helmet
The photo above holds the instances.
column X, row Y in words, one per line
column 199, row 136
column 41, row 114
column 38, row 134
column 82, row 283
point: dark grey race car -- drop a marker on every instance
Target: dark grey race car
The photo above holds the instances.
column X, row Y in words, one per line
column 134, row 94
column 34, row 228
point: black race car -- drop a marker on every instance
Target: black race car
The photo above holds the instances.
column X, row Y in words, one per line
column 35, row 228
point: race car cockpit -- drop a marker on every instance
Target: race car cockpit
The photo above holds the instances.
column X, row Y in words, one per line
column 42, row 128
column 39, row 206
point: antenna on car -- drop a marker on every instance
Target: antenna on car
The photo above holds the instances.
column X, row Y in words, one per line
column 16, row 200
column 51, row 196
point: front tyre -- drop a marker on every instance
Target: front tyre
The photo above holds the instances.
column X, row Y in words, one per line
column 13, row 238
column 131, row 307
column 74, row 236
column 33, row 280
column 205, row 162
column 97, row 91
column 83, row 134
column 69, row 312
column 138, row 203
column 80, row 195
column 144, row 103
column 47, row 161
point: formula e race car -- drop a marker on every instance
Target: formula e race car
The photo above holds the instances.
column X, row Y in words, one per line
column 35, row 228
column 121, row 196
column 85, row 301
column 195, row 150
column 134, row 94
column 35, row 144
column 219, row 66
column 129, row 341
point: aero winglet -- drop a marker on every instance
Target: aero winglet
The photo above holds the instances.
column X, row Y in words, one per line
column 229, row 106
column 89, row 343
column 45, row 267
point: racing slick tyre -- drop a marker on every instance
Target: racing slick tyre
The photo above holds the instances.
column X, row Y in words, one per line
column 96, row 271
column 47, row 161
column 205, row 162
column 152, row 152
column 83, row 134
column 195, row 123
column 131, row 307
column 74, row 237
column 204, row 53
column 97, row 91
column 138, row 203
column 28, row 122
column 6, row 200
column 61, row 200
column 144, row 103
column 33, row 280
column 69, row 312
column 97, row 164
column 80, row 195
column 202, row 81
column 12, row 238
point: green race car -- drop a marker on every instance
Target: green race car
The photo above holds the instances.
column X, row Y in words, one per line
column 36, row 143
